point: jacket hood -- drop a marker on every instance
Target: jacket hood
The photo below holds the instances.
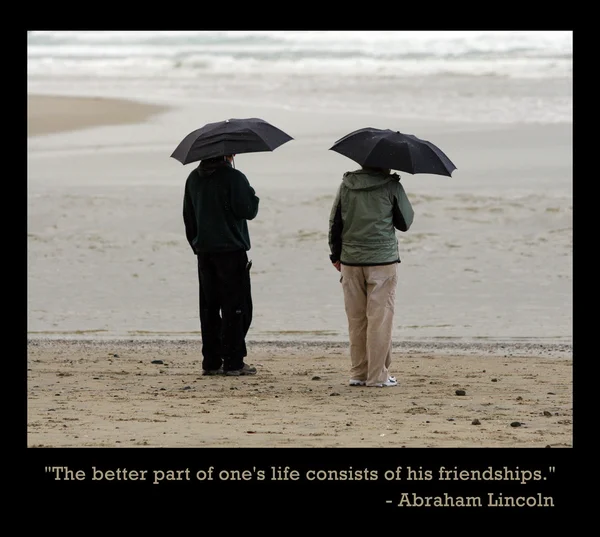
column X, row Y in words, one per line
column 367, row 180
column 208, row 167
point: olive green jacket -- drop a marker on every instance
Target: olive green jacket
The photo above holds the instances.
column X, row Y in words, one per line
column 368, row 208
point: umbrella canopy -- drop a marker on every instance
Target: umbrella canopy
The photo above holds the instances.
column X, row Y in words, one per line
column 229, row 137
column 384, row 148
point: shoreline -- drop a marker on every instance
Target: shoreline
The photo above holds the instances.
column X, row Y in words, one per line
column 52, row 114
column 501, row 348
column 81, row 111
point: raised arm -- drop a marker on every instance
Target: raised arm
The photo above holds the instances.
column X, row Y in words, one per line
column 402, row 211
column 244, row 201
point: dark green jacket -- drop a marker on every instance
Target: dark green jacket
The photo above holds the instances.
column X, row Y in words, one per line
column 217, row 203
column 368, row 209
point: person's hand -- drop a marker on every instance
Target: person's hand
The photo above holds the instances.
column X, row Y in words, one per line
column 338, row 266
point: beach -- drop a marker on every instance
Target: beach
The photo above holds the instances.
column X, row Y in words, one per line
column 484, row 298
column 152, row 393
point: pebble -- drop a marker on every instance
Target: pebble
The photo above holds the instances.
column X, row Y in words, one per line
column 316, row 378
column 476, row 422
column 460, row 392
column 516, row 424
column 546, row 413
column 334, row 393
column 157, row 362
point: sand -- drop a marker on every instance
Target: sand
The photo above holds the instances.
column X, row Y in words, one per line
column 92, row 393
column 85, row 278
column 53, row 113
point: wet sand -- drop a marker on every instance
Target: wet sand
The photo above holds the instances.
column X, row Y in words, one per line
column 489, row 254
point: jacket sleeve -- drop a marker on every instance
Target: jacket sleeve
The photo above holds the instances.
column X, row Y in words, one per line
column 243, row 199
column 189, row 215
column 402, row 210
column 335, row 228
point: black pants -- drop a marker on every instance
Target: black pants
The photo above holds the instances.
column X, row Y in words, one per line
column 225, row 308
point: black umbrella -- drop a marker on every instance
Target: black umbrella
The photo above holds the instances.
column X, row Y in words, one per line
column 229, row 137
column 391, row 149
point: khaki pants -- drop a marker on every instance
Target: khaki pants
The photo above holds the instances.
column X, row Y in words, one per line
column 369, row 298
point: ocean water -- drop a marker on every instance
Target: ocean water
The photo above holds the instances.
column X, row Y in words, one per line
column 489, row 255
column 381, row 53
column 515, row 76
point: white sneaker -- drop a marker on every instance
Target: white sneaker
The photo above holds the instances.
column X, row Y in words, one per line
column 356, row 382
column 391, row 381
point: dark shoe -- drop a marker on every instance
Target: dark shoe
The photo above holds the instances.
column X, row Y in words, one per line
column 245, row 370
column 212, row 371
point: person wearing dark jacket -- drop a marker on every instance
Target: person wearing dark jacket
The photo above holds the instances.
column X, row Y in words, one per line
column 217, row 204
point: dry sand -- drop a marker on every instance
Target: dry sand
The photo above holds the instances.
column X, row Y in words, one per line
column 111, row 394
column 49, row 114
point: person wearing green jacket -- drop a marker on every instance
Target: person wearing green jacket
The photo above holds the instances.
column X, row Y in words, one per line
column 370, row 205
column 218, row 202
